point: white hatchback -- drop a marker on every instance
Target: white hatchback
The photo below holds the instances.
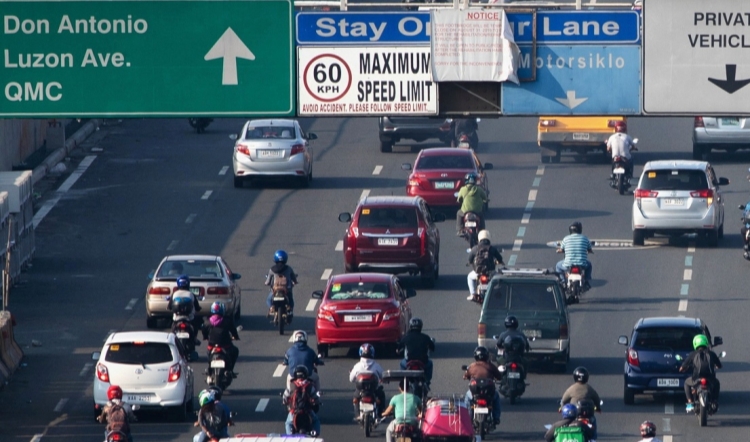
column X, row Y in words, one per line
column 151, row 369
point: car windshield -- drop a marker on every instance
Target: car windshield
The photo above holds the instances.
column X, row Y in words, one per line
column 521, row 296
column 139, row 353
column 677, row 338
column 194, row 269
column 674, row 180
column 263, row 132
column 358, row 290
column 386, row 217
column 444, row 162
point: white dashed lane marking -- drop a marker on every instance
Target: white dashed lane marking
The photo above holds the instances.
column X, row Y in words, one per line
column 326, row 274
column 60, row 405
column 311, row 305
column 377, row 170
column 688, row 261
column 512, row 260
column 521, row 231
column 540, row 170
column 517, row 245
column 86, row 367
column 682, row 305
column 223, row 170
column 667, row 425
column 190, row 218
column 131, row 304
column 532, row 194
column 687, row 275
column 339, row 246
column 262, row 404
column 365, row 194
column 529, row 206
column 279, row 371
column 207, row 195
column 526, row 218
column 172, row 245
column 684, row 289
column 667, row 438
column 536, row 182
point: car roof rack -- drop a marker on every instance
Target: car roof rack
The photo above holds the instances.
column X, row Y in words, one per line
column 525, row 271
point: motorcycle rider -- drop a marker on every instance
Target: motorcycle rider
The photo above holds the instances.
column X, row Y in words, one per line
column 214, row 417
column 472, row 199
column 184, row 304
column 582, row 392
column 576, row 247
column 367, row 364
column 406, row 408
column 116, row 413
column 279, row 272
column 468, row 127
column 484, row 238
column 694, row 361
column 300, row 354
column 302, row 385
column 569, row 418
column 482, row 368
column 648, row 432
column 513, row 343
column 219, row 330
column 620, row 144
column 418, row 346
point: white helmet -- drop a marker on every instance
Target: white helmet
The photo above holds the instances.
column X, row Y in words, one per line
column 300, row 336
column 484, row 234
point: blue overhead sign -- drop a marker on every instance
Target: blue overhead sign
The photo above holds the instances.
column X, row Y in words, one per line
column 576, row 80
column 577, row 27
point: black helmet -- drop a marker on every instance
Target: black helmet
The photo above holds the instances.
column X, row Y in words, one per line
column 576, row 227
column 470, row 178
column 301, row 372
column 648, row 429
column 481, row 354
column 415, row 324
column 580, row 374
column 511, row 322
column 585, row 408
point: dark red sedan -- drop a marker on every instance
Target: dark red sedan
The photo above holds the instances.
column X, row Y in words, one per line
column 439, row 173
column 362, row 307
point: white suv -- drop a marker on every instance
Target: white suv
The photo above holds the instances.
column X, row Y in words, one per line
column 151, row 369
column 675, row 197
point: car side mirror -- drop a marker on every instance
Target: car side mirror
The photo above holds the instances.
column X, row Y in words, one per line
column 723, row 181
column 410, row 293
column 233, row 136
column 622, row 340
column 96, row 355
column 488, row 166
column 718, row 341
column 438, row 217
column 405, row 166
column 741, row 207
column 151, row 274
column 311, row 136
column 317, row 294
column 345, row 217
column 236, row 276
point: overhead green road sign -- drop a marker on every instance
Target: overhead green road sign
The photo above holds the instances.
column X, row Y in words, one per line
column 155, row 58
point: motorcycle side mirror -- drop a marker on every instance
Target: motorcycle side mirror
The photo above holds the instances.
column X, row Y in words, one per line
column 135, row 407
column 488, row 166
column 496, row 337
column 723, row 354
column 468, row 250
column 464, row 367
column 317, row 294
column 239, row 328
column 678, row 357
column 233, row 136
column 718, row 341
column 622, row 340
column 635, row 140
column 405, row 166
column 741, row 207
column 345, row 217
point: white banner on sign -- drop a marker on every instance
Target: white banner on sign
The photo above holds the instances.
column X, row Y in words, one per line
column 473, row 45
column 365, row 81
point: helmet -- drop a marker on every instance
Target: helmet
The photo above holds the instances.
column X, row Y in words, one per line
column 280, row 256
column 511, row 322
column 299, row 336
column 569, row 411
column 415, row 324
column 481, row 354
column 700, row 341
column 648, row 429
column 580, row 374
column 301, row 372
column 484, row 234
column 206, row 397
column 470, row 178
column 114, row 392
column 621, row 126
column 585, row 408
column 183, row 282
column 576, row 227
column 217, row 308
column 216, row 390
column 366, row 351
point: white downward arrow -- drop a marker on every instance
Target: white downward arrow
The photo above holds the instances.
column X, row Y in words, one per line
column 571, row 101
column 229, row 47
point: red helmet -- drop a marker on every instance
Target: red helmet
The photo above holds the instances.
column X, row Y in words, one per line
column 621, row 126
column 648, row 429
column 114, row 392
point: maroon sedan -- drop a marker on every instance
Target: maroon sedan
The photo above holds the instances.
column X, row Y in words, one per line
column 362, row 307
column 439, row 173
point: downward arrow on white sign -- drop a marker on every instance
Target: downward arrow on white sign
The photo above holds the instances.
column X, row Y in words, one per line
column 229, row 47
column 571, row 101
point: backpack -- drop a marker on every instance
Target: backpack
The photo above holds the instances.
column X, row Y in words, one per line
column 117, row 419
column 570, row 434
column 301, row 398
column 279, row 284
column 482, row 260
column 182, row 305
column 702, row 367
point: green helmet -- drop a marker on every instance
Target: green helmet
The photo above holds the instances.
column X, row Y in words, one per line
column 206, row 397
column 700, row 341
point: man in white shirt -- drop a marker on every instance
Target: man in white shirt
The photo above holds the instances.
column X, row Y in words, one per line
column 621, row 144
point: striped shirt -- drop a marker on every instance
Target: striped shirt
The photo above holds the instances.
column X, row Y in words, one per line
column 576, row 248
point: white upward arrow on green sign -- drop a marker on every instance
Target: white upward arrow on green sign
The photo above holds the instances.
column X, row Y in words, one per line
column 229, row 47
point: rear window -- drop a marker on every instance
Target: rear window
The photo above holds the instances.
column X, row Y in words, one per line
column 358, row 290
column 192, row 268
column 445, row 162
column 674, row 180
column 387, row 217
column 519, row 296
column 675, row 338
column 139, row 354
column 263, row 132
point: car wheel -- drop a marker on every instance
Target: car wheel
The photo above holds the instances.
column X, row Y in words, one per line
column 628, row 396
column 712, row 236
column 151, row 322
column 638, row 237
column 721, row 231
column 238, row 182
column 386, row 146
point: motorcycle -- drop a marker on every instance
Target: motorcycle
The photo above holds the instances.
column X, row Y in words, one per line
column 574, row 284
column 116, row 436
column 232, row 414
column 418, row 385
column 281, row 318
column 410, row 379
column 218, row 374
column 185, row 333
column 406, row 432
column 512, row 385
column 621, row 176
column 302, row 422
column 369, row 409
column 466, row 140
column 482, row 394
column 200, row 124
column 703, row 403
column 470, row 231
column 745, row 230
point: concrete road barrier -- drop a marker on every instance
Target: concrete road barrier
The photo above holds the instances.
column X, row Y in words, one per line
column 58, row 155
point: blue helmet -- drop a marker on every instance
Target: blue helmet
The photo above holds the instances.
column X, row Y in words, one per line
column 217, row 308
column 569, row 411
column 367, row 351
column 183, row 282
column 280, row 256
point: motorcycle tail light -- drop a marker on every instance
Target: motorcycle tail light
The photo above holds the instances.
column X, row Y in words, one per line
column 183, row 326
column 482, row 402
column 116, row 437
column 513, row 366
column 174, row 372
column 575, row 270
column 367, row 399
column 704, row 382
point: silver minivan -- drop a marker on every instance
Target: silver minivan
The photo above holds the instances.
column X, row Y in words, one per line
column 676, row 197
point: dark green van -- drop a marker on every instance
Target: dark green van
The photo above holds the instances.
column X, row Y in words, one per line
column 537, row 299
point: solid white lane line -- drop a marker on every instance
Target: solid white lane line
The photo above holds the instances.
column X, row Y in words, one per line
column 86, row 367
column 682, row 305
column 365, row 194
column 131, row 304
column 36, row 438
column 540, row 170
column 532, row 195
column 311, row 305
column 377, row 170
column 64, row 187
column 223, row 170
column 207, row 195
column 326, row 274
column 279, row 371
column 172, row 245
column 525, row 219
column 687, row 275
column 262, row 404
column 339, row 246
column 190, row 218
column 517, row 245
column 60, row 405
column 512, row 260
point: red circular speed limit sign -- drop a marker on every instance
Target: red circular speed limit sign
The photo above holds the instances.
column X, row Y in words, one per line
column 327, row 77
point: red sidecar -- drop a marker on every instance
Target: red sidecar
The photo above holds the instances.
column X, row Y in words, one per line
column 447, row 419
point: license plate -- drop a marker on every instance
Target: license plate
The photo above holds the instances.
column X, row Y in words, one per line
column 730, row 122
column 403, row 439
column 470, row 224
column 366, row 407
column 667, row 382
column 533, row 333
column 619, row 170
column 218, row 364
column 574, row 277
column 268, row 153
column 674, row 201
column 481, row 410
column 514, row 375
column 183, row 335
column 138, row 398
column 444, row 184
column 482, row 287
column 580, row 136
column 358, row 318
column 279, row 298
column 387, row 241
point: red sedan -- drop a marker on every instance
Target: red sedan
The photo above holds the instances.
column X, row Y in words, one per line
column 439, row 173
column 362, row 307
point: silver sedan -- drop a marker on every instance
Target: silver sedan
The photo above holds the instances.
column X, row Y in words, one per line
column 272, row 149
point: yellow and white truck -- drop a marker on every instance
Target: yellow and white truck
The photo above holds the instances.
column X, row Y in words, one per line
column 581, row 135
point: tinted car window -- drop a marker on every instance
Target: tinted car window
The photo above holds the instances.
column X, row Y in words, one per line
column 388, row 217
column 139, row 354
column 445, row 162
column 191, row 268
column 519, row 296
column 261, row 132
column 667, row 337
column 674, row 180
column 358, row 290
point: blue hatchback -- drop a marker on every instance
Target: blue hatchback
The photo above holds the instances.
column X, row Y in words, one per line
column 651, row 362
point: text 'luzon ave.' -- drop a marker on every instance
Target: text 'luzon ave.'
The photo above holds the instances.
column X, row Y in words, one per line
column 92, row 25
column 63, row 60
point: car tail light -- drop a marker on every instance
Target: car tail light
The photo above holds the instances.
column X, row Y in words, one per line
column 547, row 123
column 481, row 330
column 241, row 148
column 483, row 279
column 174, row 372
column 575, row 270
column 422, row 233
column 563, row 331
column 704, row 382
column 391, row 314
column 708, row 194
column 513, row 366
column 416, row 182
column 159, row 291
column 219, row 290
column 297, row 148
column 645, row 193
column 367, row 399
column 324, row 313
column 698, row 122
column 102, row 373
column 633, row 358
column 481, row 402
